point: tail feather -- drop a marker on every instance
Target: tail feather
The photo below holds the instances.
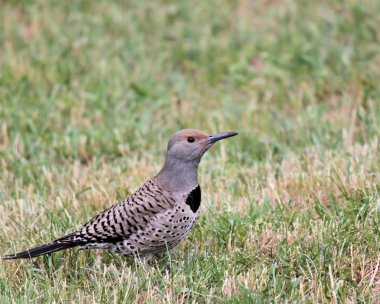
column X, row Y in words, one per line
column 41, row 250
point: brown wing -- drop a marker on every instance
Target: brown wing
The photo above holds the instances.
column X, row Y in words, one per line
column 120, row 221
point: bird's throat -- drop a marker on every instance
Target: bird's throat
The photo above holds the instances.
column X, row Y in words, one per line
column 178, row 176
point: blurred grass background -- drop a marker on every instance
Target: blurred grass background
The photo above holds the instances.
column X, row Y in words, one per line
column 90, row 92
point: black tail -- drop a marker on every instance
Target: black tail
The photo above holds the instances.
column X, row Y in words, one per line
column 57, row 245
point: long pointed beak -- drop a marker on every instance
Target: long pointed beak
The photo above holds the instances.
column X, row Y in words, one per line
column 218, row 136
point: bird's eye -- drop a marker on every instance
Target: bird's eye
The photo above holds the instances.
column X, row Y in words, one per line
column 190, row 139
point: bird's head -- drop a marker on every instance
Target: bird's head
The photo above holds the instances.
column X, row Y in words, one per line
column 185, row 150
column 190, row 144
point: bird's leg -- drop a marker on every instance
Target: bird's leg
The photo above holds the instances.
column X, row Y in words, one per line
column 168, row 267
column 159, row 256
column 146, row 258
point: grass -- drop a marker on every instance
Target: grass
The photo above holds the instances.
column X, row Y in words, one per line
column 90, row 92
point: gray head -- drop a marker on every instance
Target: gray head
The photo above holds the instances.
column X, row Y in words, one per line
column 185, row 150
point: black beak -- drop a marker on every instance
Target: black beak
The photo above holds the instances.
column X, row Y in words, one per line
column 218, row 136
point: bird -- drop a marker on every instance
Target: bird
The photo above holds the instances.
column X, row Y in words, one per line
column 155, row 218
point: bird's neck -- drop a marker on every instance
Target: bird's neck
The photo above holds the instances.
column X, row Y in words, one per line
column 178, row 176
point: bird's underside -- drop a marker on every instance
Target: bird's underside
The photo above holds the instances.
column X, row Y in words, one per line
column 150, row 222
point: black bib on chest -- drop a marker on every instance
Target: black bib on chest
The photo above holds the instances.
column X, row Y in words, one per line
column 194, row 199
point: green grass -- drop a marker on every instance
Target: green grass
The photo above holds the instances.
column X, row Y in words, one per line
column 90, row 92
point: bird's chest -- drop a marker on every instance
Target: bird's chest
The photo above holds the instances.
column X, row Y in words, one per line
column 186, row 208
column 193, row 199
column 166, row 229
column 181, row 218
column 189, row 200
column 174, row 224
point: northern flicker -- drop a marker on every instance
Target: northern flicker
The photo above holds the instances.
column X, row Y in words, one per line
column 156, row 217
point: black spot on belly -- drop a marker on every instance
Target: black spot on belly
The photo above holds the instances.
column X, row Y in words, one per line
column 194, row 199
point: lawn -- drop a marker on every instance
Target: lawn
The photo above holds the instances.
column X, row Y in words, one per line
column 90, row 92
